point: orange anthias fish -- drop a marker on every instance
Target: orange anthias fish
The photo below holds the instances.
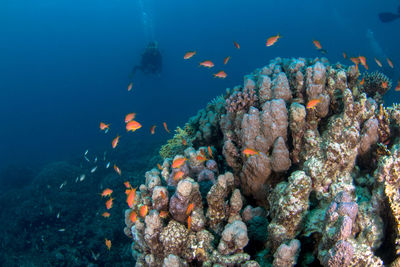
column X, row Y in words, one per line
column 165, row 127
column 163, row 195
column 104, row 126
column 153, row 129
column 344, row 55
column 109, row 203
column 250, row 152
column 390, row 62
column 397, row 86
column 130, row 86
column 236, row 45
column 127, row 191
column 273, row 39
column 118, row 170
column 133, row 216
column 106, row 192
column 143, row 211
column 317, row 44
column 378, row 62
column 363, row 61
column 105, row 214
column 130, row 199
column 362, row 81
column 108, row 244
column 133, row 126
column 226, row 60
column 178, row 162
column 189, row 209
column 159, row 166
column 355, row 60
column 189, row 54
column 207, row 64
column 115, row 142
column 129, row 117
column 210, row 151
column 313, row 103
column 128, row 184
column 163, row 214
column 385, row 84
column 178, row 175
column 189, row 222
column 220, row 74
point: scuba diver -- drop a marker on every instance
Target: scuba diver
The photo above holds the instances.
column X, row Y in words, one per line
column 388, row 16
column 151, row 61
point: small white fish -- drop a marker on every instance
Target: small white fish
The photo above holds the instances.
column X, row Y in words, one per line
column 63, row 184
column 58, row 215
column 106, row 131
column 87, row 159
column 93, row 170
column 86, row 152
column 95, row 159
column 76, row 180
column 82, row 177
column 108, row 165
column 95, row 256
column 61, row 230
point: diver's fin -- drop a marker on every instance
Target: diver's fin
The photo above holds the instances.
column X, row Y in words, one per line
column 388, row 17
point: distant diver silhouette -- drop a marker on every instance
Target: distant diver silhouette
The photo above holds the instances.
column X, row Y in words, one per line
column 388, row 16
column 151, row 61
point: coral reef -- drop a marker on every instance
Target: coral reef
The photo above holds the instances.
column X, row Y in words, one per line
column 376, row 84
column 176, row 145
column 206, row 123
column 303, row 169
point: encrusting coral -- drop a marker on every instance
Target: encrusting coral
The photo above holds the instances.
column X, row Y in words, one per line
column 301, row 165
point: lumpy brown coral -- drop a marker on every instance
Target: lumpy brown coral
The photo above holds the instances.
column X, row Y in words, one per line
column 321, row 180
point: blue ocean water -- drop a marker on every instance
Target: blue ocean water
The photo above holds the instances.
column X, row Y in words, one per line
column 65, row 65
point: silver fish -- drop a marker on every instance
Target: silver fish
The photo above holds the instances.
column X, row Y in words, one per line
column 82, row 177
column 63, row 184
column 108, row 165
column 93, row 170
column 87, row 159
column 61, row 230
column 95, row 159
column 86, row 152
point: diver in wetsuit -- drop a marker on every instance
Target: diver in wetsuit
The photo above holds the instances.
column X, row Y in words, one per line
column 388, row 16
column 151, row 61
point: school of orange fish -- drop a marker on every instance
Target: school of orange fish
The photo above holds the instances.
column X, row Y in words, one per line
column 132, row 125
